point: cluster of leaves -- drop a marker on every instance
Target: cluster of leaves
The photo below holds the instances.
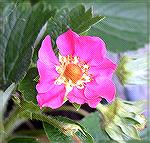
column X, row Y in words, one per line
column 93, row 125
column 125, row 26
column 125, row 119
column 23, row 27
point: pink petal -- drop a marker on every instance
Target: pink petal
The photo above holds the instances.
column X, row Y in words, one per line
column 53, row 98
column 104, row 69
column 66, row 42
column 90, row 49
column 93, row 103
column 76, row 96
column 91, row 91
column 48, row 75
column 104, row 88
column 46, row 54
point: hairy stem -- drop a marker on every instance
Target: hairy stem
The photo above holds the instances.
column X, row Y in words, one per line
column 69, row 108
column 13, row 121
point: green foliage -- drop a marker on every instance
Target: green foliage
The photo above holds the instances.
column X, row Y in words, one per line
column 123, row 120
column 78, row 19
column 22, row 24
column 60, row 126
column 115, row 133
column 70, row 131
column 55, row 135
column 26, row 106
column 124, row 28
column 82, row 133
column 23, row 140
column 92, row 123
column 4, row 97
column 58, row 130
column 14, row 119
column 125, row 25
column 28, row 85
column 81, row 20
column 93, row 126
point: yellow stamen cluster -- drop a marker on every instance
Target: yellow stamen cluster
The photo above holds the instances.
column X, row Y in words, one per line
column 72, row 72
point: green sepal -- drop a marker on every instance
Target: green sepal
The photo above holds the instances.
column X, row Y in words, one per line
column 77, row 106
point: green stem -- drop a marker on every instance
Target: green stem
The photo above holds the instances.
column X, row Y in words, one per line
column 1, row 123
column 12, row 121
column 69, row 108
column 1, row 130
column 32, row 133
column 43, row 117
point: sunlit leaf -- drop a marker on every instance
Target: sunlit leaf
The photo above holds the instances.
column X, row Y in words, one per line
column 93, row 126
column 125, row 26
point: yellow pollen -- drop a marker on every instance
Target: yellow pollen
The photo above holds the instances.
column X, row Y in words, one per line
column 73, row 72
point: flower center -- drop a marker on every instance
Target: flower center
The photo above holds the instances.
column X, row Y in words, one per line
column 73, row 72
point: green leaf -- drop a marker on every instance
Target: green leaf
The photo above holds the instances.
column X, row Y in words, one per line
column 23, row 140
column 81, row 20
column 114, row 132
column 129, row 121
column 93, row 126
column 28, row 85
column 21, row 28
column 55, row 135
column 71, row 129
column 130, row 131
column 54, row 127
column 28, row 110
column 82, row 133
column 15, row 119
column 125, row 26
column 86, row 139
column 78, row 19
column 137, row 107
column 4, row 97
column 2, row 5
column 26, row 106
column 30, row 114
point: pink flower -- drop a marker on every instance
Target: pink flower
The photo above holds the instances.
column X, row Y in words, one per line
column 82, row 74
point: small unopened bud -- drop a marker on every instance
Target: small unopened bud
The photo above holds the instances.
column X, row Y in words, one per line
column 133, row 70
column 123, row 119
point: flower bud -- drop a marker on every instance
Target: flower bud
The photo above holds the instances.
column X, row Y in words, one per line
column 133, row 70
column 123, row 119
